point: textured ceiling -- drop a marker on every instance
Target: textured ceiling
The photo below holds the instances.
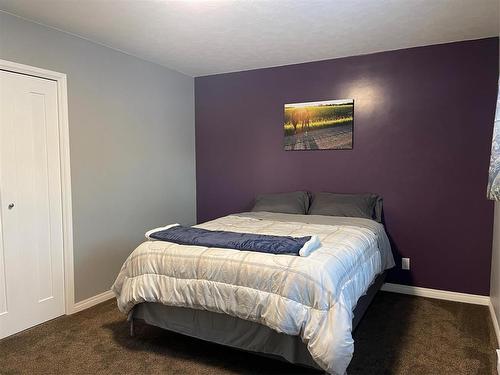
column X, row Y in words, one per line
column 199, row 37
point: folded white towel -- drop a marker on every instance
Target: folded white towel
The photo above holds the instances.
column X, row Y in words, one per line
column 310, row 246
column 150, row 232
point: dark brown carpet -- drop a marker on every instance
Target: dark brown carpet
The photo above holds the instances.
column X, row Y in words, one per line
column 399, row 335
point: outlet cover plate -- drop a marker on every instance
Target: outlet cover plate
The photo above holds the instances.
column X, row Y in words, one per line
column 405, row 263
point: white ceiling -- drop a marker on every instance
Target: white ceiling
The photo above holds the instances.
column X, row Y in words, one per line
column 201, row 37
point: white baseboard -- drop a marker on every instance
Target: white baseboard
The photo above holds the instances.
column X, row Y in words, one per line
column 495, row 323
column 388, row 287
column 438, row 294
column 92, row 301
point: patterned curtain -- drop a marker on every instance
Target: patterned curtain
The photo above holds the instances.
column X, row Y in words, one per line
column 494, row 175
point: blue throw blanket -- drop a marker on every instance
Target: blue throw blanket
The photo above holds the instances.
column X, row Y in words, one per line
column 231, row 240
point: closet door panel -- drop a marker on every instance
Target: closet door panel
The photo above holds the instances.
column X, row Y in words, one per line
column 31, row 212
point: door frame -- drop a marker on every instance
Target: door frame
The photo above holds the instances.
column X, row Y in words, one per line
column 64, row 155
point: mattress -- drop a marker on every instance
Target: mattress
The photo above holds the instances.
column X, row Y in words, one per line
column 310, row 297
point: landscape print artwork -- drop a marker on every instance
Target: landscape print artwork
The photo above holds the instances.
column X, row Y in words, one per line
column 326, row 125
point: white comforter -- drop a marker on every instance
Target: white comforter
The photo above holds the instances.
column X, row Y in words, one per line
column 312, row 297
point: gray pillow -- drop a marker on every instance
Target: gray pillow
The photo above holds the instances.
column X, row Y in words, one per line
column 368, row 206
column 296, row 202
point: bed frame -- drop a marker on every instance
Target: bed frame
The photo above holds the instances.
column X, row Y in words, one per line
column 238, row 333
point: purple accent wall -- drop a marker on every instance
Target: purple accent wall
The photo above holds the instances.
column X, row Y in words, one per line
column 422, row 137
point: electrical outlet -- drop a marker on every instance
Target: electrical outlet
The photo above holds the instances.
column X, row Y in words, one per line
column 405, row 263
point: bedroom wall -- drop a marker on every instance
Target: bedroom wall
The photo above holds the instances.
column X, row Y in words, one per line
column 422, row 138
column 495, row 270
column 131, row 142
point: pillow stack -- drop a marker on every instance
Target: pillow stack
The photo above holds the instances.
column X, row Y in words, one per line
column 367, row 206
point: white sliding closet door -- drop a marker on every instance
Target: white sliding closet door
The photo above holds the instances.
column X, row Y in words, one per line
column 31, row 241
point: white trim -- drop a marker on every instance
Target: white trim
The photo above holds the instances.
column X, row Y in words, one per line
column 67, row 219
column 31, row 70
column 92, row 301
column 495, row 323
column 438, row 294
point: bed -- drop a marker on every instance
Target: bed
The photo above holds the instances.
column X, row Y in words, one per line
column 300, row 309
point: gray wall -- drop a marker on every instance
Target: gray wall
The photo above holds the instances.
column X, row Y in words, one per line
column 495, row 266
column 131, row 140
